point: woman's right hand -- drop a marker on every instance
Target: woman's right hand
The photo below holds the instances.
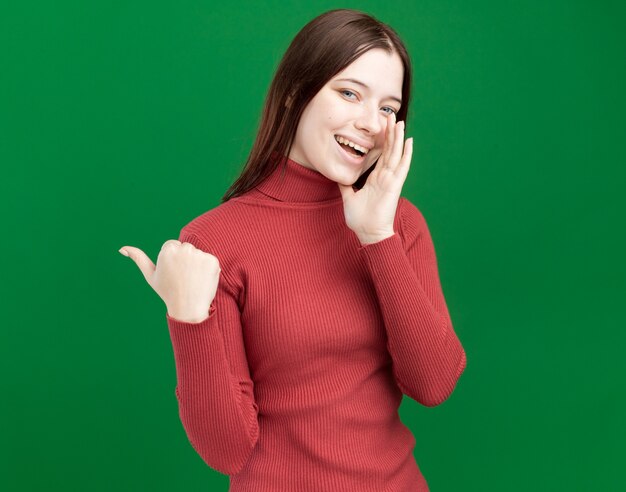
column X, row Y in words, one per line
column 185, row 277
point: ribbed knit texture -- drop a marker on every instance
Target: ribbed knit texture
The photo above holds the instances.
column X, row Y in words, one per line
column 293, row 381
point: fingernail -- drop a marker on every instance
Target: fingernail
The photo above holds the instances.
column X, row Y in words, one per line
column 123, row 251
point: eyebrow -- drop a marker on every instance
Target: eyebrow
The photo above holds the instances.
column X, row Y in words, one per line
column 358, row 82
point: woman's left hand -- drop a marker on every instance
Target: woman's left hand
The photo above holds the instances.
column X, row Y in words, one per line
column 370, row 211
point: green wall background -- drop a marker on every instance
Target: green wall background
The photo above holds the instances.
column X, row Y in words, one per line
column 122, row 121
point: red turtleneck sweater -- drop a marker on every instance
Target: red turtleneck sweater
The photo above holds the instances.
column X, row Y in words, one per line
column 293, row 381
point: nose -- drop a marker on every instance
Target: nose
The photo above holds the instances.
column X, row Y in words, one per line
column 370, row 120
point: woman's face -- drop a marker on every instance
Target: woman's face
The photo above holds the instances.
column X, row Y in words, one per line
column 354, row 110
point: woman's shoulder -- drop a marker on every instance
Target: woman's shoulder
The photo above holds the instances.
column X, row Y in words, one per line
column 221, row 232
column 230, row 217
column 218, row 227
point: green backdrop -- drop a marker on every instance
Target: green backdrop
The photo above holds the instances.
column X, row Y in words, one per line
column 122, row 121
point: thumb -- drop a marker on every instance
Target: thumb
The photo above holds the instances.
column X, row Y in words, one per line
column 141, row 259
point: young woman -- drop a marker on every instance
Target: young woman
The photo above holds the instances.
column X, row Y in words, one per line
column 304, row 305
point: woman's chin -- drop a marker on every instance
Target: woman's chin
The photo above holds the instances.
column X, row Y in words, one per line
column 347, row 179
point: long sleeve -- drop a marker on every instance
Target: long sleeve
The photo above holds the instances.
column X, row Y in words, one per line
column 427, row 356
column 214, row 389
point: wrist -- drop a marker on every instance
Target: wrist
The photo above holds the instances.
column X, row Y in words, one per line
column 374, row 238
column 190, row 316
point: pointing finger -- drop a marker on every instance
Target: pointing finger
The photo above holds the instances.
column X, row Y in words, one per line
column 141, row 260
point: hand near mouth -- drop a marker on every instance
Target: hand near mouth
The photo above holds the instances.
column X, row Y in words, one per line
column 370, row 211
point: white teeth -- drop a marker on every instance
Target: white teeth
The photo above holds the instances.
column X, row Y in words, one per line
column 351, row 144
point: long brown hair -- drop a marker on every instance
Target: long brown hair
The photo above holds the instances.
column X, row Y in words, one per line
column 322, row 48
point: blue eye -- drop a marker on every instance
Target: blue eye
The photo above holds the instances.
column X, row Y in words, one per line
column 347, row 91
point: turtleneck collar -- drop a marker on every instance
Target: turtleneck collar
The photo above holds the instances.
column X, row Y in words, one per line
column 292, row 182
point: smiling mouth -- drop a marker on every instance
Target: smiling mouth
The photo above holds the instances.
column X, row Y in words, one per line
column 349, row 149
column 350, row 155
